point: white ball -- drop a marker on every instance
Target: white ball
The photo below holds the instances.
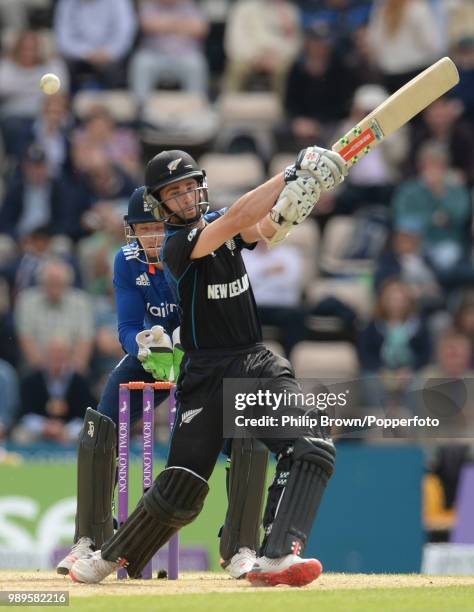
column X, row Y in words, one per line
column 50, row 83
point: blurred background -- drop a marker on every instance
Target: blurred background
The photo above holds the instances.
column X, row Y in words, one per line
column 378, row 286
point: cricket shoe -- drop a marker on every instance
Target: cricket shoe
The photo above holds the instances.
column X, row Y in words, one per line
column 240, row 564
column 82, row 548
column 92, row 569
column 291, row 570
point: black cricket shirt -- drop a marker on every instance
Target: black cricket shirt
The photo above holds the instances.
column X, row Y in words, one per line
column 213, row 293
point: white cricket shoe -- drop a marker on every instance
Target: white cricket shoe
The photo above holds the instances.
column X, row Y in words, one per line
column 92, row 569
column 82, row 548
column 291, row 570
column 241, row 563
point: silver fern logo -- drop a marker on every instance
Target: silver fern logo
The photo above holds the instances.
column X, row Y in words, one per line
column 230, row 244
column 172, row 166
column 189, row 415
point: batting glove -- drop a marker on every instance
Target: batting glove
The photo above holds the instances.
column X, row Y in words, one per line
column 326, row 166
column 296, row 201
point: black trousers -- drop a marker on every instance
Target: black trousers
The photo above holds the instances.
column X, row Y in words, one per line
column 198, row 431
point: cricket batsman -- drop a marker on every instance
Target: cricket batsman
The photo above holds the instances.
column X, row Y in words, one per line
column 221, row 338
column 148, row 325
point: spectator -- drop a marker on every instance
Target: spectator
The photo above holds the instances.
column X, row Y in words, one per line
column 361, row 60
column 13, row 15
column 405, row 38
column 393, row 346
column 373, row 179
column 8, row 343
column 53, row 308
column 452, row 357
column 464, row 320
column 36, row 247
column 97, row 251
column 52, row 131
column 9, row 398
column 318, row 92
column 460, row 20
column 54, row 397
column 404, row 260
column 441, row 122
column 100, row 132
column 276, row 276
column 95, row 36
column 96, row 254
column 439, row 205
column 108, row 350
column 93, row 178
column 21, row 97
column 103, row 181
column 262, row 37
column 463, row 55
column 31, row 199
column 171, row 46
column 440, row 489
column 444, row 395
column 343, row 17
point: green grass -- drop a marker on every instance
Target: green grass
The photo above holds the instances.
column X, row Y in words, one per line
column 452, row 598
column 28, row 480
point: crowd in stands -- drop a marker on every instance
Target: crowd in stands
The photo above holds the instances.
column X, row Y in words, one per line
column 381, row 278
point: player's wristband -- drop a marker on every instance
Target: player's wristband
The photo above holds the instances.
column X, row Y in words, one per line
column 289, row 173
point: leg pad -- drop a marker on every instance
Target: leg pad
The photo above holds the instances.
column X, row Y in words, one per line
column 173, row 501
column 295, row 495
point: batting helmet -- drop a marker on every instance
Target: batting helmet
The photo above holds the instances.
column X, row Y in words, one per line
column 169, row 167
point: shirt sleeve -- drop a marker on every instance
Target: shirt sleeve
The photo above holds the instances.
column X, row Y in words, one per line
column 177, row 249
column 241, row 244
column 239, row 241
column 131, row 307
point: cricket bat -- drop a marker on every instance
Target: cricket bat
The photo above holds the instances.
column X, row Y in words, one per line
column 397, row 110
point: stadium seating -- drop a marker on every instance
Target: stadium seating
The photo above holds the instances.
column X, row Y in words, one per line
column 253, row 115
column 336, row 238
column 119, row 102
column 231, row 175
column 178, row 118
column 306, row 237
column 279, row 162
column 354, row 293
column 324, row 360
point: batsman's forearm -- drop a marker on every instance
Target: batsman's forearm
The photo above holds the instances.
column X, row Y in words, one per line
column 265, row 228
column 256, row 204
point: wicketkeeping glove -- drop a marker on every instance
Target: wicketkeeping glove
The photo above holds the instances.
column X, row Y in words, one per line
column 155, row 352
column 326, row 166
column 178, row 354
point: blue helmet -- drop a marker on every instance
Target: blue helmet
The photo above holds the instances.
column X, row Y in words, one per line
column 138, row 212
